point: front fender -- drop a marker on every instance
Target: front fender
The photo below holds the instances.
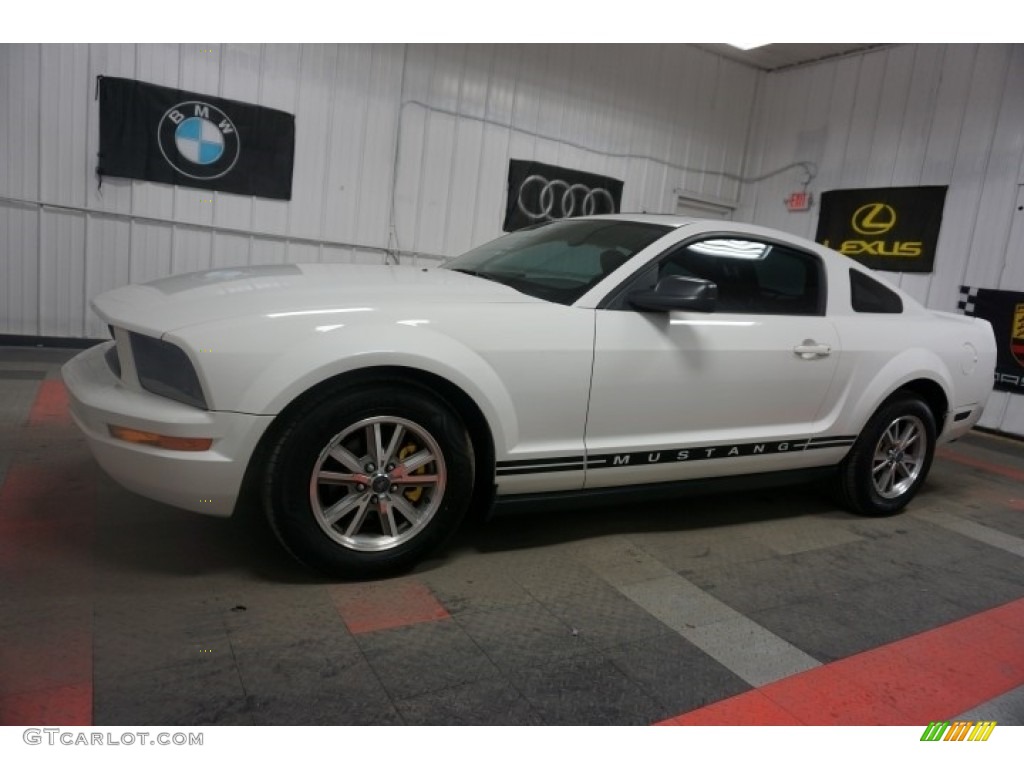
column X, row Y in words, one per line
column 245, row 370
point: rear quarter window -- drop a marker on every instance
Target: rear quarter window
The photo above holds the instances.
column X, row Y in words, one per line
column 869, row 295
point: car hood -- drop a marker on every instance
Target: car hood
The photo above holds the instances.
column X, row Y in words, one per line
column 195, row 298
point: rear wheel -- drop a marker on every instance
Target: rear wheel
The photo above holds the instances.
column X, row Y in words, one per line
column 890, row 460
column 367, row 483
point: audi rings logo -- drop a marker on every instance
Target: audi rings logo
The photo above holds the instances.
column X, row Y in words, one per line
column 541, row 199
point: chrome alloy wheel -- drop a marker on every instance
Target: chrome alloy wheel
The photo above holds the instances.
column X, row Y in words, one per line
column 377, row 484
column 899, row 456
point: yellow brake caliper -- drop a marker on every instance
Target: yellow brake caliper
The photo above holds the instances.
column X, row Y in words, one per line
column 412, row 494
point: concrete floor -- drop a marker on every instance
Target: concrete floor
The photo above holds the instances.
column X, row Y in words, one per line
column 763, row 607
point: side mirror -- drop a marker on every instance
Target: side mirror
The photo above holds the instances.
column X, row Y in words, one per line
column 677, row 293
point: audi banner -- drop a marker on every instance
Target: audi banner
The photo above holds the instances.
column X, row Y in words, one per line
column 892, row 228
column 176, row 137
column 1005, row 310
column 538, row 192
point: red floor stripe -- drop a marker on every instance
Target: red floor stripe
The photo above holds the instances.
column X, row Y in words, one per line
column 67, row 706
column 749, row 709
column 385, row 605
column 51, row 405
column 935, row 675
column 987, row 466
column 46, row 560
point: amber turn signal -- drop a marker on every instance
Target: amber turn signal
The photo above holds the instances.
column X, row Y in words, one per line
column 160, row 441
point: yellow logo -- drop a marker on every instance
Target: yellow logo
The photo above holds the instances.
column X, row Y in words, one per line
column 873, row 219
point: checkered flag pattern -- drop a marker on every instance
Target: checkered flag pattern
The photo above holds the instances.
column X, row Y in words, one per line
column 967, row 297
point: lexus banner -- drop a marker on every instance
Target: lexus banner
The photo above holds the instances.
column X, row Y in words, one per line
column 1005, row 310
column 538, row 192
column 171, row 136
column 892, row 228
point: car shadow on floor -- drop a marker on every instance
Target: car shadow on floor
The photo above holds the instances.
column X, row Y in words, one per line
column 142, row 536
column 526, row 529
column 138, row 535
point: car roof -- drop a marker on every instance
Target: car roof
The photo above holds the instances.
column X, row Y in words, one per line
column 665, row 219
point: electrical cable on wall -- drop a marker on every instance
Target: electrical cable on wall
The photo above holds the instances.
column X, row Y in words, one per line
column 810, row 168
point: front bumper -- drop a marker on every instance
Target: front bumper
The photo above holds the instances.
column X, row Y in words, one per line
column 202, row 481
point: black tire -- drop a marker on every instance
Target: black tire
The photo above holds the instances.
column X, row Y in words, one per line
column 341, row 525
column 880, row 476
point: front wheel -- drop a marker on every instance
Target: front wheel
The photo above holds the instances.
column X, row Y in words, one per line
column 890, row 460
column 368, row 482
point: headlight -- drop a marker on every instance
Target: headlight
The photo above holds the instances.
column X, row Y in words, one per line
column 165, row 370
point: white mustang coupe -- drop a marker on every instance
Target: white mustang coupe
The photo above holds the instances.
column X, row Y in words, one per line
column 370, row 407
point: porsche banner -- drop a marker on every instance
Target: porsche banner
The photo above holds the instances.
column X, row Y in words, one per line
column 172, row 136
column 538, row 192
column 892, row 228
column 1005, row 310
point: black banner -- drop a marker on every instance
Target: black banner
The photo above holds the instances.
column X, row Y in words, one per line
column 177, row 137
column 892, row 228
column 538, row 192
column 1005, row 310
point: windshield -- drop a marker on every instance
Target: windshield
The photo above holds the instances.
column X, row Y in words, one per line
column 559, row 261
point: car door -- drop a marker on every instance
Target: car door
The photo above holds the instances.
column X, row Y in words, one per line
column 684, row 394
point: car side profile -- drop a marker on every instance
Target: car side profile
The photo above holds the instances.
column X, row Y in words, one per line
column 371, row 407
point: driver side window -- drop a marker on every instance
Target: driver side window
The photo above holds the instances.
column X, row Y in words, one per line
column 752, row 277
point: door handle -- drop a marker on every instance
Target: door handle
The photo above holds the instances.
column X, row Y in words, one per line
column 810, row 349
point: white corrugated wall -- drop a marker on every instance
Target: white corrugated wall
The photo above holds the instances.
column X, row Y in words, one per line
column 910, row 115
column 406, row 148
column 451, row 115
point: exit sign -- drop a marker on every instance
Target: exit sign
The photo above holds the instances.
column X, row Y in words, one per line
column 799, row 201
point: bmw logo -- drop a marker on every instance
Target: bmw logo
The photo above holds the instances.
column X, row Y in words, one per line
column 198, row 140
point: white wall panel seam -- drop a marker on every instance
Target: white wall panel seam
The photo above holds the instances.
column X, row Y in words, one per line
column 483, row 145
column 174, row 195
column 132, row 185
column 977, row 204
column 963, row 112
column 297, row 103
column 423, row 159
column 845, row 165
column 213, row 193
column 920, row 285
column 715, row 100
column 39, row 182
column 260, row 82
column 748, row 194
column 906, row 108
column 511, row 118
column 446, row 231
column 328, row 150
column 392, row 204
column 890, row 54
column 85, row 198
column 1005, row 107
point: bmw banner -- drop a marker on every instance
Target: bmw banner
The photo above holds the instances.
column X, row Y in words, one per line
column 891, row 228
column 176, row 137
column 1005, row 310
column 538, row 192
